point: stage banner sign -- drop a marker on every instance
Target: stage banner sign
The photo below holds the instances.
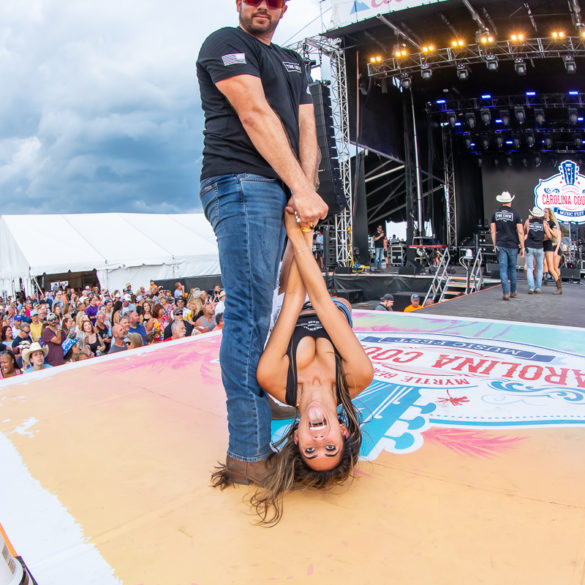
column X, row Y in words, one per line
column 347, row 12
column 564, row 193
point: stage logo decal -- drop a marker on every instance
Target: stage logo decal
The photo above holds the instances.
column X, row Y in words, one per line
column 564, row 193
column 427, row 380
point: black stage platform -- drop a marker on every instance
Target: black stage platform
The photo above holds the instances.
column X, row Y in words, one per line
column 567, row 310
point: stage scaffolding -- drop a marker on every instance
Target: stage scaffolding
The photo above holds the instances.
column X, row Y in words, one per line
column 449, row 185
column 314, row 49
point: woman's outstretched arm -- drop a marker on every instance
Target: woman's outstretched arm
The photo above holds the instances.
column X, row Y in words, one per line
column 273, row 364
column 356, row 364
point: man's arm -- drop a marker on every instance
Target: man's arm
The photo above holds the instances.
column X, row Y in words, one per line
column 520, row 231
column 493, row 232
column 310, row 154
column 246, row 95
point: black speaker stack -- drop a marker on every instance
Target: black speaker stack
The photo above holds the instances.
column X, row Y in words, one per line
column 329, row 247
column 330, row 185
column 570, row 273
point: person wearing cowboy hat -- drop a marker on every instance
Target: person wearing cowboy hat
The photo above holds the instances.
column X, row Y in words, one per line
column 507, row 236
column 533, row 242
column 33, row 357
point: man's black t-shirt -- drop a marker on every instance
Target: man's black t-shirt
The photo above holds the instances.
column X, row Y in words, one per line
column 535, row 233
column 227, row 53
column 506, row 219
column 379, row 243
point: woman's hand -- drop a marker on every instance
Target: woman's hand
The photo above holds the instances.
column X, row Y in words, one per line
column 298, row 234
column 292, row 226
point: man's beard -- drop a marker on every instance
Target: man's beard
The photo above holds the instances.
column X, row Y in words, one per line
column 249, row 26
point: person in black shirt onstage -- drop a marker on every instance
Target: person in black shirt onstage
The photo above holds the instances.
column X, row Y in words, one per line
column 534, row 232
column 507, row 237
column 260, row 155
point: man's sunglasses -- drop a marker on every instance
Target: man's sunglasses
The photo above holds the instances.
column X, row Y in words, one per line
column 274, row 4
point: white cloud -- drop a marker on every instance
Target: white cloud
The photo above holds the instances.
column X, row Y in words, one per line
column 100, row 104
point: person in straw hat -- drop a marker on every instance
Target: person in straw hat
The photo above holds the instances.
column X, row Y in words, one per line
column 507, row 237
column 33, row 357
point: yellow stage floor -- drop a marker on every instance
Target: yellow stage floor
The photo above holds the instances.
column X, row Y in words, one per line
column 467, row 478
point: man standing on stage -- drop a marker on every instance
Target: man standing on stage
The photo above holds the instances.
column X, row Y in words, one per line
column 507, row 237
column 379, row 237
column 260, row 156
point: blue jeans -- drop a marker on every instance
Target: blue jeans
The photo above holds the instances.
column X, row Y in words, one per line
column 534, row 255
column 379, row 257
column 507, row 258
column 246, row 213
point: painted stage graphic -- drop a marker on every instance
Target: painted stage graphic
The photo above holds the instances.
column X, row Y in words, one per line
column 464, row 381
column 564, row 193
column 105, row 466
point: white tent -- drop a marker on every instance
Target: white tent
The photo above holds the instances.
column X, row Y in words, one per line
column 121, row 247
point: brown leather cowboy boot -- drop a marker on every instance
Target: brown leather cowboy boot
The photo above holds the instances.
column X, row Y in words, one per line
column 246, row 472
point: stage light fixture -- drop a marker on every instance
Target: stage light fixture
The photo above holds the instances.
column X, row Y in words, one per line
column 520, row 66
column 496, row 162
column 426, row 72
column 463, row 71
column 486, row 116
column 517, row 142
column 486, row 38
column 547, row 142
column 520, row 114
column 539, row 117
column 400, row 51
column 573, row 116
column 458, row 43
column 405, row 81
column 530, row 140
column 517, row 37
column 558, row 34
column 537, row 161
column 428, row 49
column 451, row 118
column 578, row 142
column 485, row 142
column 525, row 162
column 491, row 62
column 570, row 64
column 505, row 117
column 479, row 161
column 468, row 142
column 376, row 59
column 509, row 161
column 470, row 119
column 499, row 141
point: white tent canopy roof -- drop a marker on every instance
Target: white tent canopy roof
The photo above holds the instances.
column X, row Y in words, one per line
column 114, row 244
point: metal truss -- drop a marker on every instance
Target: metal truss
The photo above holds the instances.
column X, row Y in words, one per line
column 550, row 101
column 342, row 222
column 449, row 186
column 529, row 49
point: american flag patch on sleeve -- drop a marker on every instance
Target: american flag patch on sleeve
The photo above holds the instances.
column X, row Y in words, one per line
column 234, row 59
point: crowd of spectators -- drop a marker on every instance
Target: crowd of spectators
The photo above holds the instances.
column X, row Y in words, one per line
column 52, row 328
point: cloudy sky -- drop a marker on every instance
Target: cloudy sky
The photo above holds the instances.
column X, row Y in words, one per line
column 99, row 107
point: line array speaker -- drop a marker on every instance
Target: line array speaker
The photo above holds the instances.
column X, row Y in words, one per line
column 330, row 185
